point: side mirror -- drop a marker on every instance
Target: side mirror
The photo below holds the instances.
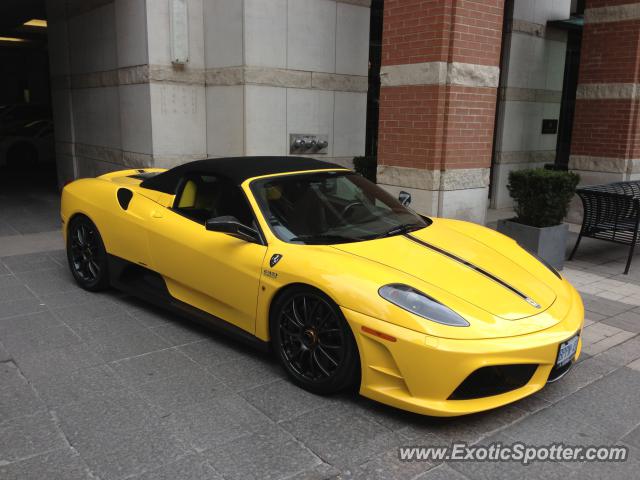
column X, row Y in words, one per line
column 232, row 226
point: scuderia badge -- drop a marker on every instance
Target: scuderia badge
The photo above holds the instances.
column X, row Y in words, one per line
column 273, row 262
column 275, row 259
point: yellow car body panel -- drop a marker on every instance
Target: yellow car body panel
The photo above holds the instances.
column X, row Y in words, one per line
column 417, row 371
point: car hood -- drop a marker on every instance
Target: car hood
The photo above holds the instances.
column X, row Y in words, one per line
column 472, row 263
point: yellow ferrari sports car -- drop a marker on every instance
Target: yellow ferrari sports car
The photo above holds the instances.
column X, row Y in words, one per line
column 347, row 286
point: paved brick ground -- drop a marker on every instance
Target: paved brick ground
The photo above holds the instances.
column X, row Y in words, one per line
column 103, row 386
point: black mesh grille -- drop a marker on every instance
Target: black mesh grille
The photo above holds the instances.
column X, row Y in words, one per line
column 494, row 380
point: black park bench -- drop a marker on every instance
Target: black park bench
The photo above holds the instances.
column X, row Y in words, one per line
column 611, row 213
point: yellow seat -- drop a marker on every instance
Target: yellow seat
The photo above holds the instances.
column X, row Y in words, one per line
column 188, row 197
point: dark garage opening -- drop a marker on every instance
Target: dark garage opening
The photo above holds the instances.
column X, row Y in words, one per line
column 28, row 184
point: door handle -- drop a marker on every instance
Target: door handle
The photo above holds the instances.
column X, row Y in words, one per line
column 156, row 214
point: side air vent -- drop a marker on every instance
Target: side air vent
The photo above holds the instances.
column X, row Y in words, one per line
column 124, row 197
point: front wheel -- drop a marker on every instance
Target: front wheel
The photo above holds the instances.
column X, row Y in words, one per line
column 86, row 255
column 314, row 342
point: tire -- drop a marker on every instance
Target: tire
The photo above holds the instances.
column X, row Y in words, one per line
column 313, row 341
column 86, row 255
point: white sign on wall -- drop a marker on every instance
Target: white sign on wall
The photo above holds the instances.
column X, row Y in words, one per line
column 179, row 21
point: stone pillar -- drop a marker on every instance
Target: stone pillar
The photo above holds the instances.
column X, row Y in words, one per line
column 531, row 82
column 606, row 138
column 100, row 86
column 280, row 67
column 257, row 71
column 437, row 104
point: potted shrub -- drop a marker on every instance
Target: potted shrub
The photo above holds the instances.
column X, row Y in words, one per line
column 541, row 202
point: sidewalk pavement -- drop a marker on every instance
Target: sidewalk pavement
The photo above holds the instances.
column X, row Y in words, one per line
column 104, row 386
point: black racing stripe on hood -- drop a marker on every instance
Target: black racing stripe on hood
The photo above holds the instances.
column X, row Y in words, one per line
column 478, row 269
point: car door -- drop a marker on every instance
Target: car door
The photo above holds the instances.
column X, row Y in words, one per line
column 212, row 271
column 124, row 225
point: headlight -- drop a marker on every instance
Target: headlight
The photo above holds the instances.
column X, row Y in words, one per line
column 421, row 304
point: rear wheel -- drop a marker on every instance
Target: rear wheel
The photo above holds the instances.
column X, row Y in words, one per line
column 314, row 342
column 86, row 255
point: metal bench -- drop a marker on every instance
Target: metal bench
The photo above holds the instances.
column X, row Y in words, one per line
column 611, row 213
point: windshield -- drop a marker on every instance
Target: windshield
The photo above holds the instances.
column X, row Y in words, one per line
column 331, row 207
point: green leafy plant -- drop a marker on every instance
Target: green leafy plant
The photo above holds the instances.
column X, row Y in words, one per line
column 366, row 166
column 542, row 196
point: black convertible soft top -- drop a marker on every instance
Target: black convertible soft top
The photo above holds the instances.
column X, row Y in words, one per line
column 235, row 169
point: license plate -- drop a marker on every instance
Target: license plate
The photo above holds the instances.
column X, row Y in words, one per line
column 567, row 351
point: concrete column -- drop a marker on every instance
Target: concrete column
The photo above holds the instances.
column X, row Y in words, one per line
column 287, row 67
column 437, row 103
column 60, row 70
column 257, row 72
column 101, row 104
column 606, row 137
column 533, row 63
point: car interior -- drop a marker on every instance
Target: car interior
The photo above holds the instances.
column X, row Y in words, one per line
column 203, row 197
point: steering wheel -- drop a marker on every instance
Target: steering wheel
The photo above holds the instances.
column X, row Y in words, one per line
column 349, row 207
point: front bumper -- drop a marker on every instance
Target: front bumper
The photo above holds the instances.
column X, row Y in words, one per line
column 419, row 373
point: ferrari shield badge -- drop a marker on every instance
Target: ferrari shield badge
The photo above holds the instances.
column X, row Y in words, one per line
column 275, row 259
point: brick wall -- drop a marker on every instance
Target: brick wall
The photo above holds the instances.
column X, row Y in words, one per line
column 606, row 3
column 610, row 52
column 606, row 128
column 442, row 126
column 606, row 116
column 436, row 126
column 426, row 31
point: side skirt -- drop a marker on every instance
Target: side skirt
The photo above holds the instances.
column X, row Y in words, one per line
column 151, row 287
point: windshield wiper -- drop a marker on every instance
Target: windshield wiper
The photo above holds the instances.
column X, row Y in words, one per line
column 399, row 229
column 325, row 237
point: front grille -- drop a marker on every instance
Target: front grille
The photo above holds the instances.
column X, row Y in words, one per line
column 494, row 380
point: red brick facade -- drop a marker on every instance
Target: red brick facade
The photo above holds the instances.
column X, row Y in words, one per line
column 610, row 52
column 436, row 126
column 439, row 126
column 418, row 31
column 606, row 126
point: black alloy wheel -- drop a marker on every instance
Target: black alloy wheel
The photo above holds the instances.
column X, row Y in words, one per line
column 314, row 342
column 86, row 255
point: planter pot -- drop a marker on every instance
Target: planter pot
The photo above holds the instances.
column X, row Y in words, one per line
column 549, row 243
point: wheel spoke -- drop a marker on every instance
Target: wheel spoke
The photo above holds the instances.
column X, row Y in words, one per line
column 297, row 352
column 293, row 320
column 93, row 268
column 319, row 365
column 305, row 358
column 86, row 269
column 305, row 313
column 312, row 313
column 325, row 318
column 311, row 338
column 329, row 357
column 289, row 332
column 295, row 313
column 78, row 237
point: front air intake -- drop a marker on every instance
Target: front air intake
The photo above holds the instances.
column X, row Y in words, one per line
column 494, row 380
